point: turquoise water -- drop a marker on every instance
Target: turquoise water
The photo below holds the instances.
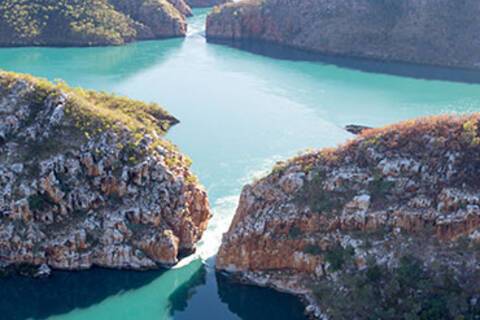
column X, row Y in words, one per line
column 240, row 113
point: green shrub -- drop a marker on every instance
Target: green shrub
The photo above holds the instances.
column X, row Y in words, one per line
column 294, row 232
column 379, row 187
column 407, row 291
column 338, row 256
column 313, row 249
column 37, row 202
column 320, row 200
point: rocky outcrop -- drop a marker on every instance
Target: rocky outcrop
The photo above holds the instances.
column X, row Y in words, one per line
column 182, row 6
column 430, row 32
column 356, row 129
column 156, row 19
column 206, row 3
column 90, row 22
column 386, row 226
column 86, row 179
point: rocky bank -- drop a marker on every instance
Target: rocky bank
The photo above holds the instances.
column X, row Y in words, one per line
column 431, row 32
column 386, row 226
column 86, row 179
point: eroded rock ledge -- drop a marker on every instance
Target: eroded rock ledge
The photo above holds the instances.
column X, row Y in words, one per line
column 385, row 227
column 86, row 179
column 431, row 32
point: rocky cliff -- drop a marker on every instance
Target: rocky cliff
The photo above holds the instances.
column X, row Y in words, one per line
column 432, row 32
column 384, row 227
column 90, row 22
column 86, row 179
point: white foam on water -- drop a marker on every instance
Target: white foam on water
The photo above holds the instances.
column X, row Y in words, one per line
column 223, row 211
column 196, row 24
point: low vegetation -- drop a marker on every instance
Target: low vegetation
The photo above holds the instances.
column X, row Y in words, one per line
column 407, row 291
column 417, row 140
column 392, row 220
column 82, row 22
column 96, row 111
column 93, row 112
column 39, row 21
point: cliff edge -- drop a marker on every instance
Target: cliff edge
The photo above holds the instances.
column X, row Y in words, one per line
column 86, row 179
column 384, row 227
column 430, row 32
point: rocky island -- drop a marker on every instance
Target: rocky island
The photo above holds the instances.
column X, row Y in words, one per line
column 92, row 22
column 86, row 179
column 430, row 32
column 386, row 226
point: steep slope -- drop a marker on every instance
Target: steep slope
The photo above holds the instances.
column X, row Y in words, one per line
column 87, row 179
column 182, row 6
column 432, row 32
column 156, row 18
column 384, row 227
column 89, row 22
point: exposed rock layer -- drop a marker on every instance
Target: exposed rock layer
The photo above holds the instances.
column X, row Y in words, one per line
column 182, row 6
column 86, row 179
column 431, row 32
column 363, row 220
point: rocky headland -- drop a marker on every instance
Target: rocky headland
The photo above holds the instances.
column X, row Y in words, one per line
column 92, row 22
column 430, row 32
column 386, row 226
column 86, row 179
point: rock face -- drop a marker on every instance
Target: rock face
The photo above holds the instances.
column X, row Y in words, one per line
column 90, row 22
column 182, row 7
column 384, row 227
column 432, row 32
column 86, row 179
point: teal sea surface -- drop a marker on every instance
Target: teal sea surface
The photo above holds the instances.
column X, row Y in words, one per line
column 240, row 113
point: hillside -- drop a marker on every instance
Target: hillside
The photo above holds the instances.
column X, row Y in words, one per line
column 89, row 22
column 384, row 227
column 429, row 32
column 88, row 180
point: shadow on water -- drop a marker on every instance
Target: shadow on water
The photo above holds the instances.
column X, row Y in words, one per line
column 26, row 298
column 416, row 71
column 253, row 303
column 180, row 297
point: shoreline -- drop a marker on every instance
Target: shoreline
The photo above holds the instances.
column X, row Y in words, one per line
column 370, row 65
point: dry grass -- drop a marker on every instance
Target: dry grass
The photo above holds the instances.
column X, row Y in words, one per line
column 94, row 112
column 450, row 131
